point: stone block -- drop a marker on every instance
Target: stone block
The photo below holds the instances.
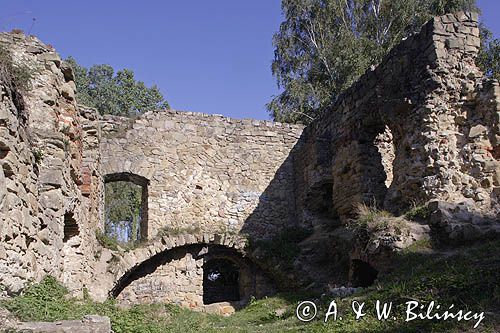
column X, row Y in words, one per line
column 50, row 57
column 477, row 130
column 53, row 177
column 90, row 323
column 52, row 199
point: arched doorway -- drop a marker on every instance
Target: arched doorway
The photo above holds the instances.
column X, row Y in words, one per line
column 221, row 281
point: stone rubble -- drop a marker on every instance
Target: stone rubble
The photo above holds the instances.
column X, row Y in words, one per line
column 422, row 127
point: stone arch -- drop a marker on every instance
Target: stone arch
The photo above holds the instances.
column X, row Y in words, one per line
column 112, row 166
column 247, row 271
column 183, row 257
column 130, row 261
column 138, row 180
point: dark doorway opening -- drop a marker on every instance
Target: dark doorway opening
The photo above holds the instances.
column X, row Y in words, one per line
column 70, row 227
column 363, row 274
column 221, row 279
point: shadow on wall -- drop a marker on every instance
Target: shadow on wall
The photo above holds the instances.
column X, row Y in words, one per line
column 189, row 268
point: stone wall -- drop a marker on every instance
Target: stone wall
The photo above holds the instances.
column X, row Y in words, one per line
column 177, row 276
column 91, row 323
column 206, row 172
column 41, row 154
column 422, row 125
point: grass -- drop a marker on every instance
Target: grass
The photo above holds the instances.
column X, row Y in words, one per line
column 418, row 212
column 371, row 224
column 38, row 154
column 283, row 247
column 107, row 241
column 470, row 279
column 16, row 76
column 113, row 244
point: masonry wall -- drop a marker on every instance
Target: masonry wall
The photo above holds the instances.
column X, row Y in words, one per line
column 179, row 281
column 177, row 277
column 422, row 125
column 41, row 157
column 206, row 172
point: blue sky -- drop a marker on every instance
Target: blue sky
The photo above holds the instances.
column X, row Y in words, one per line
column 205, row 56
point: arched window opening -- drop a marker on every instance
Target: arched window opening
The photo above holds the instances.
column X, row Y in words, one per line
column 125, row 207
column 362, row 273
column 221, row 281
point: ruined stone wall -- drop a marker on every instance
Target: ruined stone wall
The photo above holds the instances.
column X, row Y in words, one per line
column 421, row 125
column 41, row 157
column 206, row 172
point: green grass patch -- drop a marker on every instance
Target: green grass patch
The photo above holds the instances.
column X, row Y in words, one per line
column 418, row 212
column 113, row 244
column 282, row 248
column 277, row 255
column 106, row 241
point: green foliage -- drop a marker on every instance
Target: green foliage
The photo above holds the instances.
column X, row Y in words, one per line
column 43, row 301
column 106, row 241
column 371, row 221
column 282, row 248
column 49, row 301
column 370, row 217
column 323, row 46
column 489, row 56
column 418, row 213
column 418, row 246
column 123, row 205
column 16, row 76
column 371, row 224
column 38, row 155
column 117, row 94
column 277, row 255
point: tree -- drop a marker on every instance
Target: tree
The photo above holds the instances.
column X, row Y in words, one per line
column 123, row 205
column 323, row 46
column 118, row 94
column 489, row 56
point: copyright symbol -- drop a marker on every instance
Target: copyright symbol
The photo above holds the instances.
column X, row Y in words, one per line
column 306, row 311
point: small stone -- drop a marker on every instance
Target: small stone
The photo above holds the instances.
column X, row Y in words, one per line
column 477, row 130
column 50, row 56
